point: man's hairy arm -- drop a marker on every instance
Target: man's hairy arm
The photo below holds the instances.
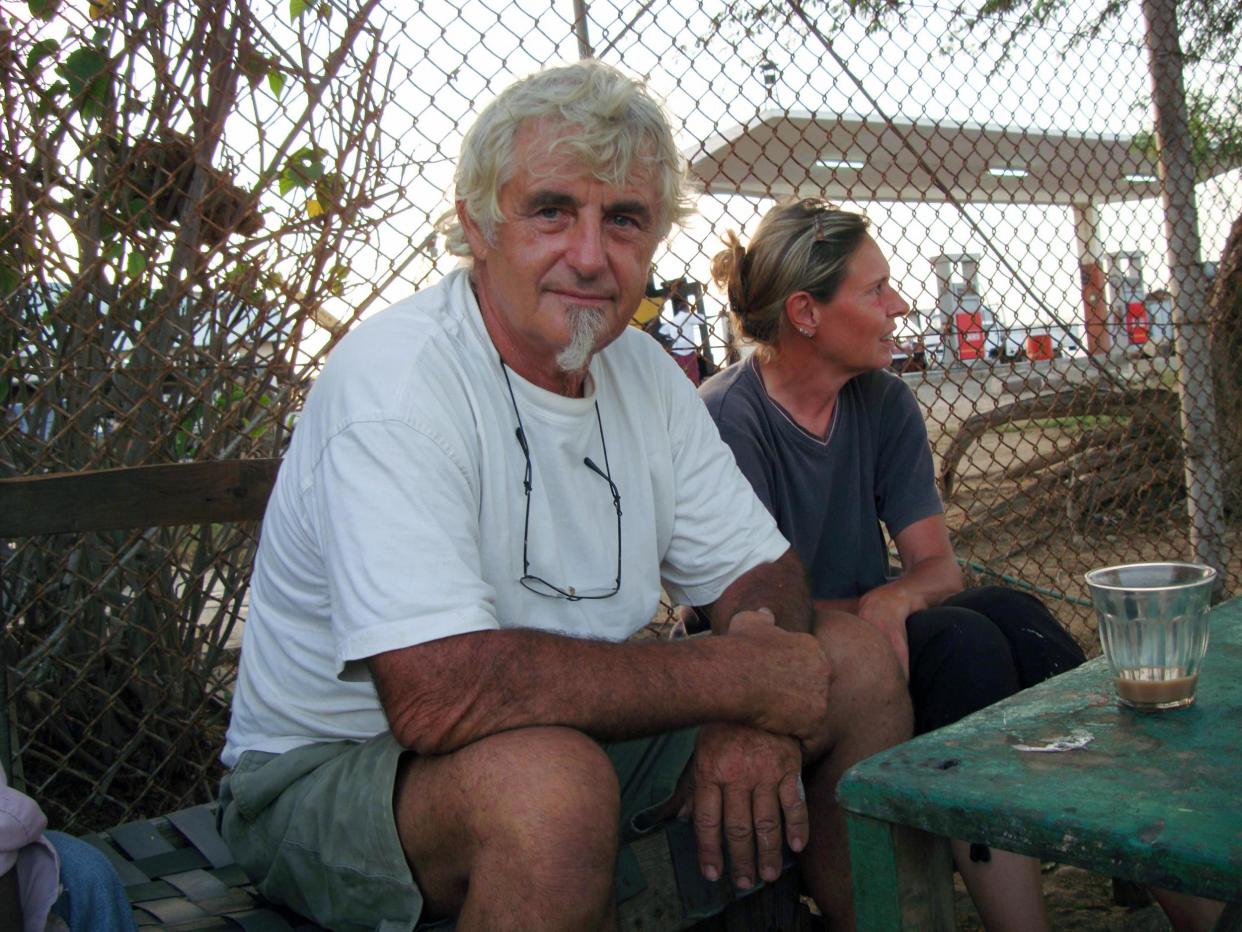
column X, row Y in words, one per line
column 746, row 779
column 444, row 694
column 779, row 586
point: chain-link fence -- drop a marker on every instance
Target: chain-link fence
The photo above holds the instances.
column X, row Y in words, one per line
column 200, row 197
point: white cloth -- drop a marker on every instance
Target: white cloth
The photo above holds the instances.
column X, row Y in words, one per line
column 679, row 326
column 23, row 845
column 397, row 517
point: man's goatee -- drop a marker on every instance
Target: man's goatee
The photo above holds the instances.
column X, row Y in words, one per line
column 586, row 325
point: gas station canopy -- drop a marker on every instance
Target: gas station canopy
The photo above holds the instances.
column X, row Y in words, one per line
column 846, row 158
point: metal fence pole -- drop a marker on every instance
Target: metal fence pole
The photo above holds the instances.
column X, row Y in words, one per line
column 1198, row 404
column 580, row 30
column 1094, row 299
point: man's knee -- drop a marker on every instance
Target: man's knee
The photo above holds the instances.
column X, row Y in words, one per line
column 1040, row 644
column 553, row 815
column 954, row 639
column 960, row 662
column 553, row 783
column 867, row 687
column 860, row 655
column 533, row 810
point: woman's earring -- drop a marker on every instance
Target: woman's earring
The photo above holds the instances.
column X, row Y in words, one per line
column 806, row 333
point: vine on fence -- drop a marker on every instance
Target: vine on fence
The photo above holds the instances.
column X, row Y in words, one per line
column 187, row 182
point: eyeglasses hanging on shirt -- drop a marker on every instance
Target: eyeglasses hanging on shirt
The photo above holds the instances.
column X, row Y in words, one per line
column 537, row 584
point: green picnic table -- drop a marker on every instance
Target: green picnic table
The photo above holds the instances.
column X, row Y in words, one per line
column 1061, row 772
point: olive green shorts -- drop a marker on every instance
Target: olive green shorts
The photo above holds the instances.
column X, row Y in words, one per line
column 314, row 829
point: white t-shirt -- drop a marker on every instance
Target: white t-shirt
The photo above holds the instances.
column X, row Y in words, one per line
column 397, row 517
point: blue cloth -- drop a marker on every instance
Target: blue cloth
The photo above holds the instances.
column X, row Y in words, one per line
column 92, row 898
column 829, row 495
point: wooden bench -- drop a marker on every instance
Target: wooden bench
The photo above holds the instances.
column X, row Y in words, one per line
column 177, row 871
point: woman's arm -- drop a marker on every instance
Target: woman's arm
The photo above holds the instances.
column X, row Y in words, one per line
column 930, row 574
column 840, row 605
column 929, row 568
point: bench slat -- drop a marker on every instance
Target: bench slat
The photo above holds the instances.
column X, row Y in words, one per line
column 137, row 497
column 140, row 840
column 198, row 824
column 130, row 875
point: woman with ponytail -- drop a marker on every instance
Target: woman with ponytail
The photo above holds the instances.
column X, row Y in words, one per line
column 835, row 446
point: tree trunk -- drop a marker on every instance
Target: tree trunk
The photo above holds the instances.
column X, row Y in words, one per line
column 1201, row 447
column 1225, row 315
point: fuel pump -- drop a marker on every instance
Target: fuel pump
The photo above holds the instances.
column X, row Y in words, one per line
column 967, row 323
column 1129, row 319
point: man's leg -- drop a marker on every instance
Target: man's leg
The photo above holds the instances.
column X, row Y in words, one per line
column 515, row 831
column 870, row 707
column 1038, row 643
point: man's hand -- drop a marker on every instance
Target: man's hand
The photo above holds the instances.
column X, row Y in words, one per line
column 747, row 784
column 886, row 609
column 791, row 673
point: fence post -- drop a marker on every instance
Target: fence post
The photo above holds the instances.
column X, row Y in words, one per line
column 1201, row 450
column 580, row 30
column 1094, row 301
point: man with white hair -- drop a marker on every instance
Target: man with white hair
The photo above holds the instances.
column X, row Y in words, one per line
column 438, row 712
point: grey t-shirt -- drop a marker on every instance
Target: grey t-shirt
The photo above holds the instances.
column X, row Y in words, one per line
column 829, row 495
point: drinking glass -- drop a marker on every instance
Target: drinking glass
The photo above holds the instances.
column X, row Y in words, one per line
column 1153, row 621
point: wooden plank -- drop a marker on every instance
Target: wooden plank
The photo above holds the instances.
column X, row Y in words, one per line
column 124, row 867
column 141, row 839
column 198, row 825
column 1150, row 797
column 137, row 497
column 903, row 878
column 773, row 907
column 682, row 900
column 658, row 906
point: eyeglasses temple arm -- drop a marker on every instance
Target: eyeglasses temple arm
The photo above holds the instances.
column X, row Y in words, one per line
column 612, row 486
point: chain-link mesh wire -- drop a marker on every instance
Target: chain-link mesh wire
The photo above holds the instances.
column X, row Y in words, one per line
column 201, row 197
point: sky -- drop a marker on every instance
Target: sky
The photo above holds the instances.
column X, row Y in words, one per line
column 446, row 59
column 1095, row 89
column 1098, row 88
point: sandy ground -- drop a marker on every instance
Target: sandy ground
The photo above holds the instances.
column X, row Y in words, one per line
column 1078, row 901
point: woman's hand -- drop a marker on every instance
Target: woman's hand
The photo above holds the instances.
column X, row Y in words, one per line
column 886, row 609
column 929, row 575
